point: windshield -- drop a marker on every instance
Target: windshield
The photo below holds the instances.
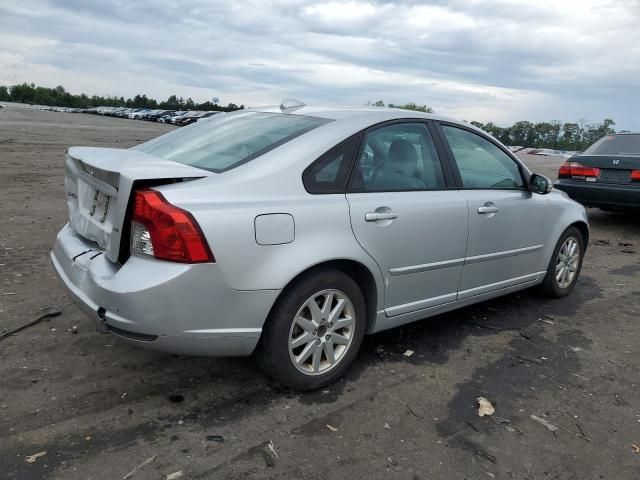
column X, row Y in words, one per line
column 628, row 144
column 227, row 140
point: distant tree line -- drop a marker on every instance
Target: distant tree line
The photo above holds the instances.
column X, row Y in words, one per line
column 406, row 106
column 59, row 97
column 555, row 135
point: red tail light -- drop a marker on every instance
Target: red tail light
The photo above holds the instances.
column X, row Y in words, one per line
column 165, row 231
column 635, row 175
column 574, row 169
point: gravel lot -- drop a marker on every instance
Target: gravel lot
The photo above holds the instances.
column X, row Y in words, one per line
column 99, row 408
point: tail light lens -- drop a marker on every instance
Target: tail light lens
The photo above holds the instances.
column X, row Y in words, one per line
column 575, row 170
column 166, row 232
column 635, row 175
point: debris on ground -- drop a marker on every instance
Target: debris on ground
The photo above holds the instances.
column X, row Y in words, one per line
column 582, row 434
column 215, row 438
column 545, row 423
column 481, row 454
column 74, row 329
column 537, row 361
column 627, row 250
column 269, row 453
column 386, row 425
column 505, row 422
column 176, row 398
column 142, row 465
column 625, row 244
column 34, row 457
column 548, row 319
column 41, row 318
column 412, row 411
column 174, row 475
column 531, row 331
column 636, row 448
column 333, row 429
column 485, row 407
column 408, row 353
column 575, row 349
column 602, row 243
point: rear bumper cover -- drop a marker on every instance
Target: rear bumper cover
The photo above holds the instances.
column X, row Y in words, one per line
column 176, row 308
column 601, row 194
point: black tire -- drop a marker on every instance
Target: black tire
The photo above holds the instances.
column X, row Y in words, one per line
column 550, row 284
column 273, row 353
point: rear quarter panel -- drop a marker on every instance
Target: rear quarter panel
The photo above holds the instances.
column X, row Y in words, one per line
column 227, row 204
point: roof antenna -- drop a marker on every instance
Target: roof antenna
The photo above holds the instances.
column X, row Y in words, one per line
column 291, row 103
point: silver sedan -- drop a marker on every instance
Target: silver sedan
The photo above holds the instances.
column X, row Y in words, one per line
column 292, row 231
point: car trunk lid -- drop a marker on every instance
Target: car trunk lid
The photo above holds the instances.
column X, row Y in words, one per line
column 613, row 168
column 99, row 183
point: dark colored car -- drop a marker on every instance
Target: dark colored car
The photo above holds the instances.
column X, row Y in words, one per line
column 153, row 117
column 195, row 118
column 606, row 175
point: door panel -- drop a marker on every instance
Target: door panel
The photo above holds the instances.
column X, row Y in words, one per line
column 403, row 216
column 420, row 251
column 507, row 222
column 505, row 244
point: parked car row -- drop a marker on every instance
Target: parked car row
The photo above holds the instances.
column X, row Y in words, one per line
column 176, row 117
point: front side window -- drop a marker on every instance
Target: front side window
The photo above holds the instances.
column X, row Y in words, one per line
column 228, row 140
column 398, row 157
column 481, row 163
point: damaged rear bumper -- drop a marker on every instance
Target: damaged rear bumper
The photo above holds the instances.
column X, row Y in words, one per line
column 176, row 308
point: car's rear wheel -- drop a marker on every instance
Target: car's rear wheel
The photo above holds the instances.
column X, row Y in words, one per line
column 565, row 265
column 314, row 332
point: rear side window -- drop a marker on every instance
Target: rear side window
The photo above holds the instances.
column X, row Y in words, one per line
column 330, row 173
column 398, row 157
column 481, row 163
column 616, row 145
column 226, row 141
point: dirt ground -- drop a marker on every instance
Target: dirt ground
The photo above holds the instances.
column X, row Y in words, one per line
column 99, row 408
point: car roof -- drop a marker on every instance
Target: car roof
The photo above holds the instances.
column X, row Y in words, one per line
column 344, row 112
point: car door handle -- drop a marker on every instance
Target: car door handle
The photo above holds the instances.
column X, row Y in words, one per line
column 375, row 216
column 487, row 208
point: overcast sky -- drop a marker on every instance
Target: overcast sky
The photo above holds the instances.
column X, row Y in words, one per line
column 502, row 60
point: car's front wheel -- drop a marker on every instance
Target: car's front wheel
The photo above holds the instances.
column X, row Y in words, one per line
column 565, row 265
column 314, row 332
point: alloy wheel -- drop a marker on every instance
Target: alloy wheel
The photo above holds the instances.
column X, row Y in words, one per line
column 567, row 262
column 321, row 332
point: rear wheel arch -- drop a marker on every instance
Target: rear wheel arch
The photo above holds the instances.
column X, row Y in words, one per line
column 357, row 271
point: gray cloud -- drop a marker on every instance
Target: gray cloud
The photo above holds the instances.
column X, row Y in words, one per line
column 502, row 61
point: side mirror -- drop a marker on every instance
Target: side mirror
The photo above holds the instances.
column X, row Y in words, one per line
column 540, row 184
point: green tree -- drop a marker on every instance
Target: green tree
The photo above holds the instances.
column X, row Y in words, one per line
column 415, row 107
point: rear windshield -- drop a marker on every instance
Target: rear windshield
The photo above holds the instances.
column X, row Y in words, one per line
column 616, row 145
column 227, row 140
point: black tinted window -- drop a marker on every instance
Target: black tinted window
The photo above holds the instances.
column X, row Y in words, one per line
column 616, row 145
column 329, row 174
column 398, row 157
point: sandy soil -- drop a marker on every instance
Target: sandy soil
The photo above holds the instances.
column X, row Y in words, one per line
column 99, row 408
